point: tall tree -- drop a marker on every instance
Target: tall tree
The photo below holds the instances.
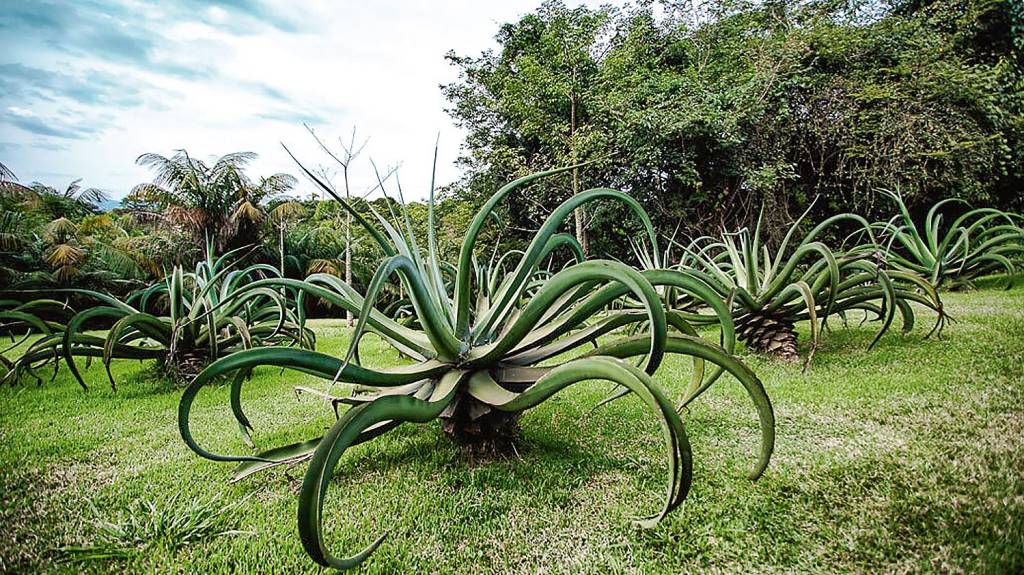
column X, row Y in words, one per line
column 527, row 107
column 349, row 152
column 217, row 201
column 71, row 202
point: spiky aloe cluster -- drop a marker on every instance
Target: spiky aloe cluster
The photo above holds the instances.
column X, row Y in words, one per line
column 768, row 294
column 495, row 344
column 979, row 242
column 209, row 317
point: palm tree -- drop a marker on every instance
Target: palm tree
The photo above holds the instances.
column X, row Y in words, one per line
column 280, row 216
column 72, row 201
column 251, row 212
column 64, row 254
column 13, row 241
column 9, row 185
column 218, row 200
column 95, row 253
column 6, row 175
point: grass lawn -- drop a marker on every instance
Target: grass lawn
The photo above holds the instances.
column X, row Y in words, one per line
column 906, row 458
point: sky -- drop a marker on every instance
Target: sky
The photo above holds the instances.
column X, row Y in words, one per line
column 86, row 86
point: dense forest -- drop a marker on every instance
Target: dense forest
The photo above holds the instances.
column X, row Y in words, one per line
column 705, row 112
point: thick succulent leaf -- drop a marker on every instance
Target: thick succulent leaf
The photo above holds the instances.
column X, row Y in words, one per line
column 566, row 280
column 693, row 346
column 528, row 264
column 319, row 364
column 339, row 438
column 73, row 329
column 464, row 268
column 680, row 463
column 431, row 318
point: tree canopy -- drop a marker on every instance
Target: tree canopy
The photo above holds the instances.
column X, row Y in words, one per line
column 709, row 114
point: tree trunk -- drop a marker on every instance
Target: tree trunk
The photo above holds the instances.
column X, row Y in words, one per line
column 578, row 214
column 348, row 245
column 280, row 245
column 765, row 334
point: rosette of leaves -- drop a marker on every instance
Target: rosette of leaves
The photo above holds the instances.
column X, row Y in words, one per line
column 769, row 292
column 208, row 317
column 501, row 340
column 978, row 242
column 20, row 320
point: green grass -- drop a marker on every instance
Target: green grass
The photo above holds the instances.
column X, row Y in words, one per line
column 906, row 458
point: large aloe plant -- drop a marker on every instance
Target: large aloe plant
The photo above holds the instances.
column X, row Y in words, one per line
column 209, row 316
column 495, row 344
column 978, row 242
column 804, row 280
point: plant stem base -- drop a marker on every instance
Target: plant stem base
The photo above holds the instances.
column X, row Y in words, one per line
column 184, row 365
column 772, row 336
column 483, row 430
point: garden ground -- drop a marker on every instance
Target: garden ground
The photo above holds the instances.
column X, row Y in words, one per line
column 904, row 458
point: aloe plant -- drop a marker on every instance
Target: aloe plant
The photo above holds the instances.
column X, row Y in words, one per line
column 979, row 242
column 209, row 316
column 20, row 320
column 501, row 339
column 769, row 293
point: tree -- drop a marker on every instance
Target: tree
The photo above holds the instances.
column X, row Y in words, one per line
column 96, row 252
column 349, row 152
column 6, row 175
column 280, row 216
column 253, row 201
column 528, row 107
column 10, row 188
column 73, row 201
column 217, row 201
column 708, row 114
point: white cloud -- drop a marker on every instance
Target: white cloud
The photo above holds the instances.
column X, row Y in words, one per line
column 217, row 79
column 20, row 112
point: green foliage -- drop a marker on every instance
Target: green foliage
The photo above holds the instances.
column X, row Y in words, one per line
column 60, row 239
column 211, row 313
column 53, row 239
column 147, row 525
column 978, row 242
column 487, row 346
column 216, row 201
column 806, row 280
column 318, row 241
column 706, row 114
column 72, row 201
